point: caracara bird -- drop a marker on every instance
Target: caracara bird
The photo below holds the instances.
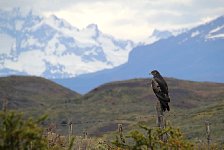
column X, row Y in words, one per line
column 160, row 89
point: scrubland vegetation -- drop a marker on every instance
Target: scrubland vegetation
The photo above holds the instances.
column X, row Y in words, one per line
column 20, row 133
column 98, row 113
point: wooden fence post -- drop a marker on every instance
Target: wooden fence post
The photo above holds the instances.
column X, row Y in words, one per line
column 70, row 130
column 4, row 104
column 160, row 120
column 208, row 133
column 85, row 134
column 120, row 131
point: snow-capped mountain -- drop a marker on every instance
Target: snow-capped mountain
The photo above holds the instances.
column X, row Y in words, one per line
column 197, row 54
column 162, row 34
column 31, row 44
column 157, row 35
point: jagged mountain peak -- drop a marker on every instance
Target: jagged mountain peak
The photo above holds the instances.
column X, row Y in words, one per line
column 161, row 34
column 57, row 49
column 93, row 26
column 157, row 35
column 195, row 54
column 53, row 20
column 206, row 32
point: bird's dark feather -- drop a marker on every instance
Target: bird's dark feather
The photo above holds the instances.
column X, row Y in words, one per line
column 160, row 89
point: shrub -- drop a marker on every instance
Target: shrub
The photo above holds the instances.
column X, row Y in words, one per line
column 20, row 134
column 153, row 138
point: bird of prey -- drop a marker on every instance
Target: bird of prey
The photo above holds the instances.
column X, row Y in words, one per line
column 160, row 89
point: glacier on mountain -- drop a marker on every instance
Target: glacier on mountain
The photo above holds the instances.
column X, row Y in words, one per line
column 51, row 47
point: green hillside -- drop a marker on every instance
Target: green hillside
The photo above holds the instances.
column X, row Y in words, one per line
column 128, row 102
column 33, row 94
column 133, row 101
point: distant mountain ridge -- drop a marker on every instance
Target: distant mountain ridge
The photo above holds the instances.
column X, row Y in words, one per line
column 197, row 54
column 50, row 47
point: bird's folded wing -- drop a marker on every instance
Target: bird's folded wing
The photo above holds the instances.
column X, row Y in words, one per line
column 162, row 83
column 155, row 86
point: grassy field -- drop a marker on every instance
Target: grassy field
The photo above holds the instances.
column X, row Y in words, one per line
column 130, row 102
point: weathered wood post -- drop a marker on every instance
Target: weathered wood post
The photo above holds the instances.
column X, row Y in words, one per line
column 85, row 134
column 208, row 132
column 159, row 112
column 4, row 104
column 70, row 130
column 161, row 123
column 120, row 131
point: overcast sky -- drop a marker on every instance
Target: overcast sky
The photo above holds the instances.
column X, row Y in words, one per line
column 133, row 19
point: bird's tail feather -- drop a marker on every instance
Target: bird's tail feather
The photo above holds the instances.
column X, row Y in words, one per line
column 164, row 106
column 163, row 97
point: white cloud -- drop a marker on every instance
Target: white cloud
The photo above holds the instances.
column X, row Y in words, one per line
column 137, row 19
column 127, row 19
